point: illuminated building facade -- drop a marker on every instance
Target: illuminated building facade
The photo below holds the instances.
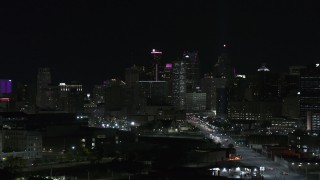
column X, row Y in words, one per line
column 223, row 68
column 43, row 81
column 20, row 143
column 222, row 96
column 167, row 76
column 195, row 101
column 4, row 104
column 71, row 98
column 310, row 97
column 255, row 111
column 132, row 75
column 224, row 75
column 208, row 87
column 24, row 97
column 155, row 64
column 153, row 93
column 179, row 87
column 5, row 94
column 5, row 87
column 192, row 66
column 114, row 95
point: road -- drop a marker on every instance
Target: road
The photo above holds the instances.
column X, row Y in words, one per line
column 250, row 157
column 272, row 171
column 61, row 165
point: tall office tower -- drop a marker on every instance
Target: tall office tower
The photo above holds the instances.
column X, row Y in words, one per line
column 238, row 88
column 52, row 93
column 247, row 109
column 224, row 75
column 167, row 76
column 222, row 96
column 265, row 85
column 223, row 68
column 167, row 73
column 150, row 93
column 310, row 97
column 132, row 75
column 290, row 97
column 179, row 87
column 155, row 64
column 98, row 94
column 192, row 71
column 114, row 95
column 43, row 81
column 24, row 97
column 208, row 86
column 71, row 98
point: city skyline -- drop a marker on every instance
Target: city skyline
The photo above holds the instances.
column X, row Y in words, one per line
column 159, row 89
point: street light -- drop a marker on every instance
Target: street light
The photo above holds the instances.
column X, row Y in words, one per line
column 300, row 165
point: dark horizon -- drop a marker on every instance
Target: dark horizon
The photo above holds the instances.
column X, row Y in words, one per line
column 93, row 41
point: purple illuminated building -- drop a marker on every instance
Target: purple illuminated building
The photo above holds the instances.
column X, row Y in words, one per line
column 5, row 86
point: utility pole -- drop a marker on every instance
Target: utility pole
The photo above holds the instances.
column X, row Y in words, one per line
column 307, row 172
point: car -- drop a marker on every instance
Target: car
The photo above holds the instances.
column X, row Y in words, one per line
column 284, row 173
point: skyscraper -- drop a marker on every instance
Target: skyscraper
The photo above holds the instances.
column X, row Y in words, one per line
column 191, row 60
column 265, row 84
column 223, row 68
column 150, row 93
column 310, row 97
column 43, row 82
column 179, row 87
column 114, row 95
column 155, row 64
column 208, row 86
column 224, row 75
column 167, row 76
column 71, row 98
column 132, row 75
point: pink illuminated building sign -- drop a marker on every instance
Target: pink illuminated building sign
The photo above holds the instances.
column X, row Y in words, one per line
column 4, row 99
column 169, row 66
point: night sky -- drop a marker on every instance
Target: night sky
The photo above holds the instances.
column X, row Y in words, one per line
column 92, row 41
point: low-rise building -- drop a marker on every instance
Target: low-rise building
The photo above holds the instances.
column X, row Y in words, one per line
column 20, row 143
